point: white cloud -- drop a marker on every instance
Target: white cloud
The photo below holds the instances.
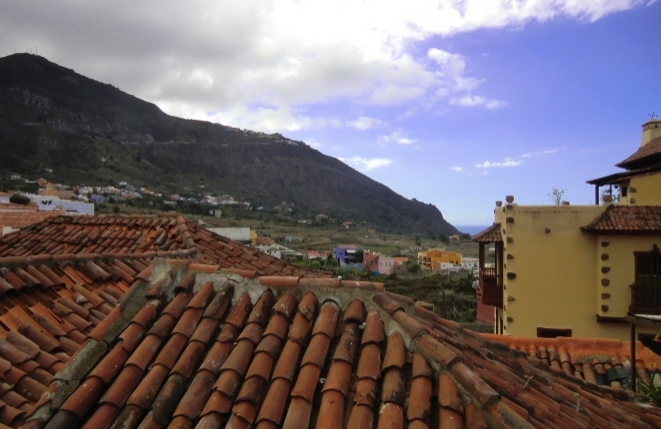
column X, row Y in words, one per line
column 256, row 62
column 366, row 164
column 313, row 143
column 514, row 162
column 364, row 123
column 452, row 64
column 457, row 168
column 477, row 100
column 396, row 137
column 508, row 162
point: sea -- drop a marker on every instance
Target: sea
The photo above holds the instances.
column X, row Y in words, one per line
column 471, row 229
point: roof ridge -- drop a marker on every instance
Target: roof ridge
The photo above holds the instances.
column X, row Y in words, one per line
column 46, row 258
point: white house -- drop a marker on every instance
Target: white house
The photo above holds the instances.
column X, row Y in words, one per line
column 241, row 234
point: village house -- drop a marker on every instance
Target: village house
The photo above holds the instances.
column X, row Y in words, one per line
column 429, row 259
column 584, row 271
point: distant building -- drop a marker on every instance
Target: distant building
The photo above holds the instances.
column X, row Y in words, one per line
column 428, row 259
column 49, row 203
column 386, row 264
column 346, row 255
column 471, row 264
column 240, row 234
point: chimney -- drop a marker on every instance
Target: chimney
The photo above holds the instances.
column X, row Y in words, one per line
column 651, row 130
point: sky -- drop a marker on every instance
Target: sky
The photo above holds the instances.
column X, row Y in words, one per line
column 457, row 103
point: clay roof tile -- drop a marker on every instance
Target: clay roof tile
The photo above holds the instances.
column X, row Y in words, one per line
column 369, row 364
column 395, row 352
column 327, row 320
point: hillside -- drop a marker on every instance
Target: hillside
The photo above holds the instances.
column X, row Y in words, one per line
column 93, row 133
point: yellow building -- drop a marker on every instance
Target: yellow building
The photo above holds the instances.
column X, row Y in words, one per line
column 429, row 258
column 579, row 271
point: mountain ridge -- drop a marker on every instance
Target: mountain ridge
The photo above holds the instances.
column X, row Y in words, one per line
column 93, row 133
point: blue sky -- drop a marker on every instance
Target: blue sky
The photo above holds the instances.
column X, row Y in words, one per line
column 454, row 102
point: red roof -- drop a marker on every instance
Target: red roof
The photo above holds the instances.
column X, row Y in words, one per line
column 20, row 219
column 587, row 358
column 489, row 235
column 646, row 155
column 170, row 236
column 47, row 310
column 187, row 348
column 627, row 219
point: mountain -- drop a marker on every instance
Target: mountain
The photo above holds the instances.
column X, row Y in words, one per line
column 92, row 133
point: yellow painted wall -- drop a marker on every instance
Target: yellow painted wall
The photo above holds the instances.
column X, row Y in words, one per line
column 647, row 190
column 558, row 272
column 436, row 255
column 452, row 257
column 555, row 281
column 621, row 270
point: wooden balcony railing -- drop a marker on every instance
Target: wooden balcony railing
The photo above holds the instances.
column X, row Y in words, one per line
column 645, row 299
column 491, row 290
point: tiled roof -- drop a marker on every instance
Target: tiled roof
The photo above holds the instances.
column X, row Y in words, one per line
column 489, row 235
column 170, row 236
column 627, row 219
column 625, row 175
column 651, row 152
column 599, row 361
column 20, row 219
column 192, row 349
column 47, row 309
column 21, row 207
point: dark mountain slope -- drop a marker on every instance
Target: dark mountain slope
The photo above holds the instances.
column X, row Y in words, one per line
column 93, row 133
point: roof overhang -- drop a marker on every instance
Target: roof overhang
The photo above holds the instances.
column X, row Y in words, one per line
column 624, row 176
column 489, row 235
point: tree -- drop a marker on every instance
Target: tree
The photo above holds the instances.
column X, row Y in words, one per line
column 19, row 199
column 417, row 239
column 556, row 195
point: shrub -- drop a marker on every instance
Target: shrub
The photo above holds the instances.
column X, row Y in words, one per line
column 19, row 199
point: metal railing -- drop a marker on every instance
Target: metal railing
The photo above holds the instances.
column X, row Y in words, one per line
column 645, row 299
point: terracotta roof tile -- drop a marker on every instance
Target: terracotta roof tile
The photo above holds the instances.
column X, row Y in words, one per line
column 128, row 237
column 489, row 235
column 19, row 217
column 643, row 155
column 281, row 364
column 626, row 219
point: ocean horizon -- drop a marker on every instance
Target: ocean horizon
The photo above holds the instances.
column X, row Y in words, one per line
column 471, row 229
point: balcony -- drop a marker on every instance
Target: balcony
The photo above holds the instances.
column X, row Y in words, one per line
column 490, row 287
column 645, row 299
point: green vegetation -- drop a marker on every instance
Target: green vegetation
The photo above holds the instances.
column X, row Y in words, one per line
column 90, row 133
column 19, row 199
column 653, row 392
column 453, row 297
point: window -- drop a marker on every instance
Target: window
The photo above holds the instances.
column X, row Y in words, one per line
column 553, row 333
column 623, row 189
column 648, row 268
